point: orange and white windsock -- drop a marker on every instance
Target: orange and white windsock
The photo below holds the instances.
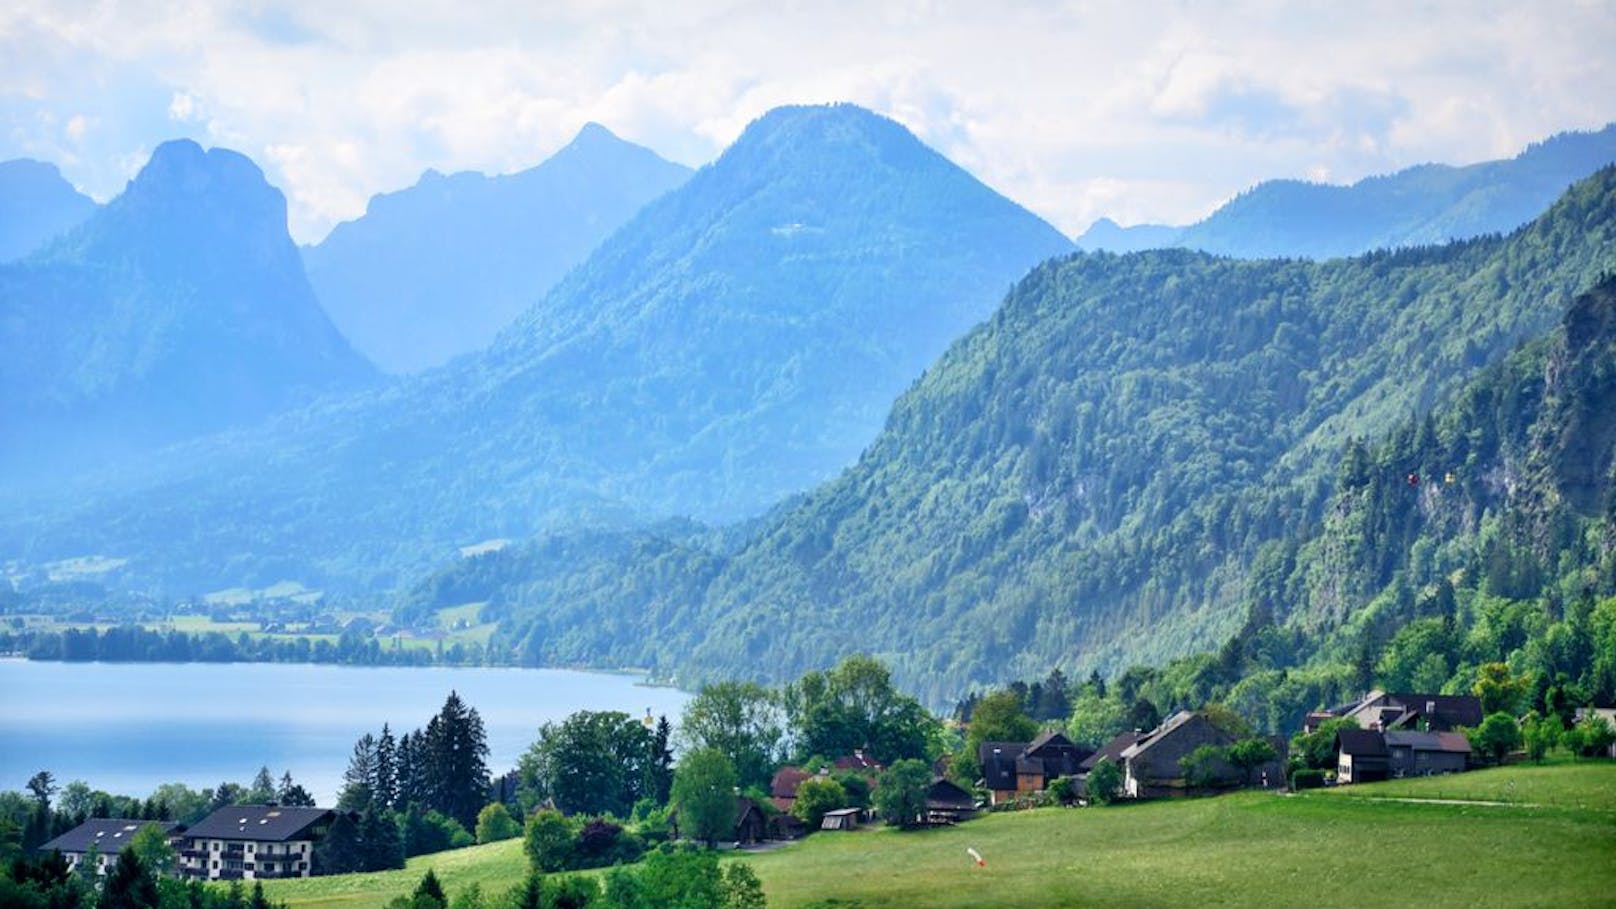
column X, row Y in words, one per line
column 976, row 855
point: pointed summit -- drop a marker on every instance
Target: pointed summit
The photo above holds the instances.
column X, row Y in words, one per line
column 179, row 308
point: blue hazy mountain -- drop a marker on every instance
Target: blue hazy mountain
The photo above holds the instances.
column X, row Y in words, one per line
column 177, row 309
column 1428, row 204
column 739, row 340
column 434, row 271
column 36, row 206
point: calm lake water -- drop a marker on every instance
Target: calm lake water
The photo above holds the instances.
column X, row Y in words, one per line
column 128, row 727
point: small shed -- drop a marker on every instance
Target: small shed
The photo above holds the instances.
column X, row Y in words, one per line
column 750, row 824
column 841, row 819
column 948, row 803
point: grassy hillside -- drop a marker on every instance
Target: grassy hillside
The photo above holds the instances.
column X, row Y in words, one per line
column 1251, row 849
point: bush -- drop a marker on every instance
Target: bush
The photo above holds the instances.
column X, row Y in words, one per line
column 549, row 841
column 602, row 842
column 1063, row 790
column 1307, row 778
column 1104, row 782
column 494, row 823
column 815, row 797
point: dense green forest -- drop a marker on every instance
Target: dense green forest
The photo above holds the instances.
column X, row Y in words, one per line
column 1115, row 469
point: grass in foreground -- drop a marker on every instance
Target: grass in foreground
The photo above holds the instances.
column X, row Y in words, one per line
column 1248, row 849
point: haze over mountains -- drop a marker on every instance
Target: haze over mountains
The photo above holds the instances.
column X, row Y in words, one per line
column 736, row 342
column 1432, row 203
column 36, row 206
column 1116, row 448
column 436, row 270
column 179, row 308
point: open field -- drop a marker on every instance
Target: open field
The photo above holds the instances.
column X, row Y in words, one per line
column 1248, row 849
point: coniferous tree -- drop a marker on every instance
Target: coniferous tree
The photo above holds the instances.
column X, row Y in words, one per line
column 359, row 781
column 380, row 842
column 429, row 887
column 292, row 794
column 262, row 789
column 130, row 885
column 409, row 770
column 660, row 767
column 457, row 749
column 386, row 768
column 339, row 852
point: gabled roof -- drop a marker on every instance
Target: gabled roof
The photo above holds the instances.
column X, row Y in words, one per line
column 745, row 806
column 1451, row 742
column 786, row 780
column 1161, row 732
column 1112, row 749
column 108, row 834
column 1361, row 743
column 858, row 760
column 945, row 793
column 264, row 823
column 1050, row 737
column 1444, row 711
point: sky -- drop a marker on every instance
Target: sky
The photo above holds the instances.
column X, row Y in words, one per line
column 1139, row 111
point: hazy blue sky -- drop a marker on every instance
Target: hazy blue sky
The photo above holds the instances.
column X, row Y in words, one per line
column 1140, row 111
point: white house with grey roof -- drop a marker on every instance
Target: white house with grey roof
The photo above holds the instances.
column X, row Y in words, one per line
column 254, row 842
column 104, row 837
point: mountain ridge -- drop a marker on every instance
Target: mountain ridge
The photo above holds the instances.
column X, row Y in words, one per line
column 435, row 270
column 1420, row 205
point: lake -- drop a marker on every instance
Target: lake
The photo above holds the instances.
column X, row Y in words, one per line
column 128, row 727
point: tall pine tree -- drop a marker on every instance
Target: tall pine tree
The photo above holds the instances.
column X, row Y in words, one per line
column 457, row 755
column 359, row 782
column 386, row 768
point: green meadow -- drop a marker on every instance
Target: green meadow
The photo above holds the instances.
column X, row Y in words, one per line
column 1555, row 847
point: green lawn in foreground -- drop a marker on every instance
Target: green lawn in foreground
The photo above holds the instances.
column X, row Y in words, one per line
column 1246, row 849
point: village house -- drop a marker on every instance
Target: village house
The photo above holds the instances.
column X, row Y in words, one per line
column 1422, row 712
column 1361, row 756
column 254, row 842
column 1368, row 755
column 1011, row 770
column 1151, row 765
column 105, row 837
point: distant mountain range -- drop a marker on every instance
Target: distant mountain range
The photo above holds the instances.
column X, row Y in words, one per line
column 36, row 206
column 178, row 309
column 436, row 270
column 1420, row 206
column 737, row 341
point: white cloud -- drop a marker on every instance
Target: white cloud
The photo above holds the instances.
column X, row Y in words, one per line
column 1142, row 112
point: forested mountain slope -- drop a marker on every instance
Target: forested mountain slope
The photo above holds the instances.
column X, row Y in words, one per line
column 736, row 342
column 1085, row 479
column 36, row 206
column 1432, row 203
column 179, row 308
column 436, row 270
